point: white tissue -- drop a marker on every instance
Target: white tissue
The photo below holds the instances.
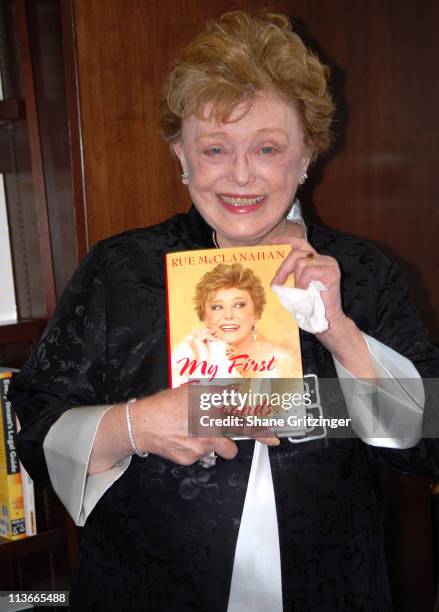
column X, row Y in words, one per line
column 306, row 306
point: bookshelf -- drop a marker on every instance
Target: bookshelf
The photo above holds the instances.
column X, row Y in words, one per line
column 25, row 330
column 17, row 340
column 46, row 560
column 35, row 159
column 48, row 540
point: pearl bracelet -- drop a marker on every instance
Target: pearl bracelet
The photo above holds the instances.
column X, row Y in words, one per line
column 130, row 429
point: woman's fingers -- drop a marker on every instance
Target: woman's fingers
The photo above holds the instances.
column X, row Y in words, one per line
column 225, row 447
column 307, row 265
column 199, row 343
column 301, row 249
column 203, row 335
column 161, row 427
column 273, row 441
column 325, row 269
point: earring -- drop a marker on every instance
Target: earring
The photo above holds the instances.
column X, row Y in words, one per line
column 303, row 177
column 254, row 334
column 184, row 177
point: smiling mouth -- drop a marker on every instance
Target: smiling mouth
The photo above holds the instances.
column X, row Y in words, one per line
column 229, row 328
column 241, row 200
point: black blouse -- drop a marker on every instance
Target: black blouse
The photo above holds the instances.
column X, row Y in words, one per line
column 163, row 537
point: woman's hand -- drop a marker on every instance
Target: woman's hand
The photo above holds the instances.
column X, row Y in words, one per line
column 342, row 338
column 161, row 428
column 323, row 268
column 160, row 424
column 207, row 346
column 199, row 343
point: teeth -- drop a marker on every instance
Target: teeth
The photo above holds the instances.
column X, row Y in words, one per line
column 242, row 201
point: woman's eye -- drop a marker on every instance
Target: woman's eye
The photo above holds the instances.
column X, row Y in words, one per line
column 267, row 150
column 216, row 307
column 214, row 151
column 240, row 304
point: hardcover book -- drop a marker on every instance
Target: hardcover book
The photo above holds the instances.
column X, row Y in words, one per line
column 12, row 515
column 227, row 327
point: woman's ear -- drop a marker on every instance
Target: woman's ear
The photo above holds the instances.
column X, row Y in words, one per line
column 306, row 161
column 304, row 167
column 178, row 150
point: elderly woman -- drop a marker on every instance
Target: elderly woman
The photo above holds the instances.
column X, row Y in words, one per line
column 230, row 300
column 293, row 526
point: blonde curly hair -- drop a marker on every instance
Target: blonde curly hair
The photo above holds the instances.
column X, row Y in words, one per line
column 225, row 276
column 233, row 59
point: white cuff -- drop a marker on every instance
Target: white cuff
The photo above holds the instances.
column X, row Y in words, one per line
column 67, row 448
column 389, row 413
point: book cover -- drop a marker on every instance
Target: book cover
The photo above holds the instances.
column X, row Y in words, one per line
column 28, row 496
column 12, row 519
column 225, row 324
column 28, row 502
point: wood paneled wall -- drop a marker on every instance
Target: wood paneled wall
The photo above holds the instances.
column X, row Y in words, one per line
column 380, row 182
column 35, row 156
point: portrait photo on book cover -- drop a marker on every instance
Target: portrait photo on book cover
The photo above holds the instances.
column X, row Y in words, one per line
column 224, row 319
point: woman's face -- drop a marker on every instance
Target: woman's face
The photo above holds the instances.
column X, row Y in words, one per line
column 230, row 314
column 243, row 174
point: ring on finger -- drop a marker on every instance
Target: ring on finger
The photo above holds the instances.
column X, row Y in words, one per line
column 310, row 259
column 208, row 461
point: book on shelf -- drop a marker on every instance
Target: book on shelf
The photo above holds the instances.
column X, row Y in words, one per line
column 12, row 521
column 17, row 501
column 28, row 496
column 227, row 327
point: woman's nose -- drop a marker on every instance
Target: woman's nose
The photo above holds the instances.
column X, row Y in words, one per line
column 241, row 171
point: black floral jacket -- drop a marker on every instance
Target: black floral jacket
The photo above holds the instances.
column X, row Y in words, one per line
column 162, row 538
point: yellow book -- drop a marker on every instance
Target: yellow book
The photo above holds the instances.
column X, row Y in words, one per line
column 12, row 516
column 225, row 322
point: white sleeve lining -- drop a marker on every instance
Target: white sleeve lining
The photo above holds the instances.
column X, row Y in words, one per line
column 67, row 448
column 388, row 413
